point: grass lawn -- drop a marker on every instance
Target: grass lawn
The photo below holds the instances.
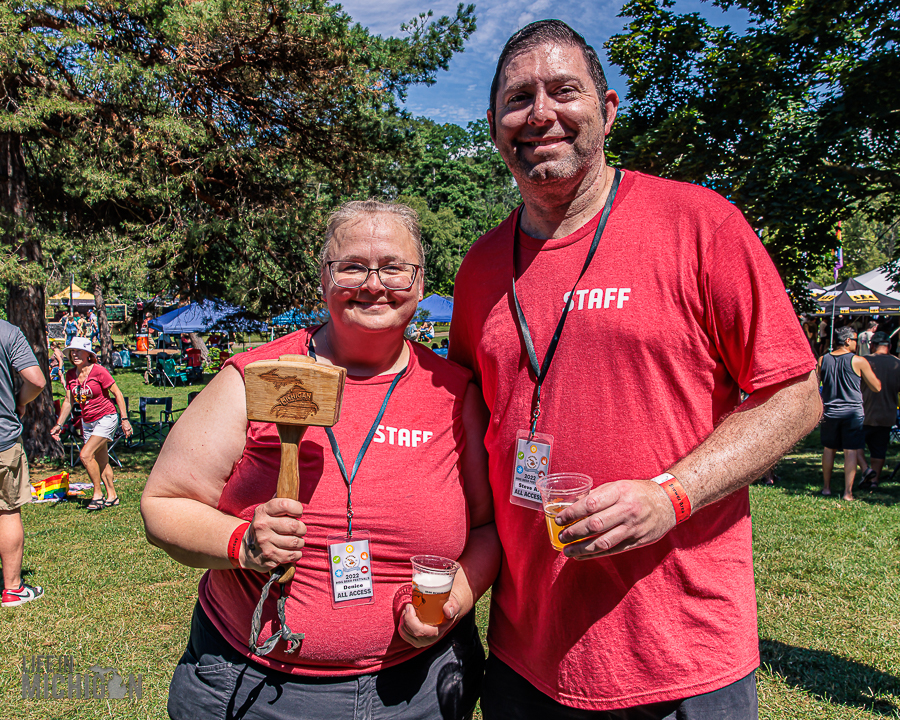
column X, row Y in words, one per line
column 827, row 585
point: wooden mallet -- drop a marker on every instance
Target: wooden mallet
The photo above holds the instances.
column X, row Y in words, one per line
column 293, row 392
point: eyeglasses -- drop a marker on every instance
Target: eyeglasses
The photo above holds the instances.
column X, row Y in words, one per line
column 350, row 275
column 854, row 339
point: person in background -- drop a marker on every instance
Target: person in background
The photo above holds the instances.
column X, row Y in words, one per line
column 82, row 324
column 15, row 486
column 57, row 362
column 880, row 408
column 822, row 345
column 71, row 328
column 865, row 338
column 93, row 326
column 89, row 384
column 426, row 332
column 840, row 373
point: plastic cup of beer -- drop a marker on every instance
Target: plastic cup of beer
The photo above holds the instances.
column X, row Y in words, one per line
column 432, row 578
column 558, row 491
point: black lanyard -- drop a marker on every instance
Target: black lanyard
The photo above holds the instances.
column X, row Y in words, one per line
column 362, row 451
column 540, row 371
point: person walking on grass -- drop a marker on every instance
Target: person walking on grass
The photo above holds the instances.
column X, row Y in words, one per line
column 15, row 486
column 89, row 384
column 840, row 372
column 71, row 327
column 880, row 408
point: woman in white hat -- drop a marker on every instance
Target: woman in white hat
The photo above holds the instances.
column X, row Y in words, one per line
column 90, row 385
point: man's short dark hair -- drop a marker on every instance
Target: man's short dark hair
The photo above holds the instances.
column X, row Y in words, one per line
column 558, row 33
column 842, row 335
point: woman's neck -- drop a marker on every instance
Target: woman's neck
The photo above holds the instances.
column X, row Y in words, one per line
column 375, row 354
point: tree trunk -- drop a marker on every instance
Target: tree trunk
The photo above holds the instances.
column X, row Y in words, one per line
column 25, row 305
column 197, row 342
column 105, row 353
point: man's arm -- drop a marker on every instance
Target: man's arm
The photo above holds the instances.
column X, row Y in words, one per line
column 33, row 381
column 861, row 365
column 622, row 515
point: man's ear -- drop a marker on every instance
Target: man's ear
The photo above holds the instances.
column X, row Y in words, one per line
column 490, row 119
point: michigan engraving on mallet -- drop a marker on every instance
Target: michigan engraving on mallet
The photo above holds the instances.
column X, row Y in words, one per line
column 293, row 392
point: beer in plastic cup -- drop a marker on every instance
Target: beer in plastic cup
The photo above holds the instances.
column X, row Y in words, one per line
column 432, row 579
column 558, row 491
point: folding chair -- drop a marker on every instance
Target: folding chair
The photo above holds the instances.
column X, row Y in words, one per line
column 174, row 374
column 194, row 364
column 158, row 428
column 70, row 435
column 160, row 377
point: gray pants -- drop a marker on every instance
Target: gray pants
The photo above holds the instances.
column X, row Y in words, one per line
column 213, row 680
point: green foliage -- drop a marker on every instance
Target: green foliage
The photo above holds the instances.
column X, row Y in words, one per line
column 461, row 188
column 796, row 121
column 867, row 244
column 204, row 143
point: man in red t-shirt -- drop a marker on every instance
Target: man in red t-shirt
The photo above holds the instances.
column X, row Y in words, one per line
column 677, row 309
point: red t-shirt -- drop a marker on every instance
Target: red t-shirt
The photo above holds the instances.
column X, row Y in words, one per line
column 408, row 495
column 680, row 309
column 93, row 395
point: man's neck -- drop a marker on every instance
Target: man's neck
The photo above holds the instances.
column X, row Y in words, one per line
column 840, row 351
column 557, row 209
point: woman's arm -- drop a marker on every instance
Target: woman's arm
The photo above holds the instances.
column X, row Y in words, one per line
column 480, row 560
column 179, row 504
column 64, row 409
column 123, row 410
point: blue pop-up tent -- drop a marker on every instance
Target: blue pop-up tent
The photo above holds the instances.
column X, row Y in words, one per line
column 206, row 316
column 439, row 308
column 295, row 316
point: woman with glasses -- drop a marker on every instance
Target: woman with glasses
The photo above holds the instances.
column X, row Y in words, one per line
column 404, row 468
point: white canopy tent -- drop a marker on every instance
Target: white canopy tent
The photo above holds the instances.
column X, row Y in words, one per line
column 879, row 281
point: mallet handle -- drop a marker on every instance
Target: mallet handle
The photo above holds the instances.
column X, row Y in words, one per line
column 289, row 472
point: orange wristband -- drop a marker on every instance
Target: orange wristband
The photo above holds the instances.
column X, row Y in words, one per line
column 677, row 494
column 234, row 544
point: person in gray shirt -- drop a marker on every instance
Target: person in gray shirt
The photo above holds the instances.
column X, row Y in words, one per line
column 840, row 373
column 15, row 486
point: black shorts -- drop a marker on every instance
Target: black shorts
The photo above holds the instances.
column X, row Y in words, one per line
column 878, row 437
column 844, row 433
column 508, row 696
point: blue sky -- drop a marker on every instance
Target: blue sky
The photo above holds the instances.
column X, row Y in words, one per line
column 460, row 95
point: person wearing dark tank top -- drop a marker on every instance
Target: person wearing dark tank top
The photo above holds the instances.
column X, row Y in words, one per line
column 840, row 373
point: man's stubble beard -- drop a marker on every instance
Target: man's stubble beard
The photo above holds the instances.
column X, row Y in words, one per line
column 577, row 164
